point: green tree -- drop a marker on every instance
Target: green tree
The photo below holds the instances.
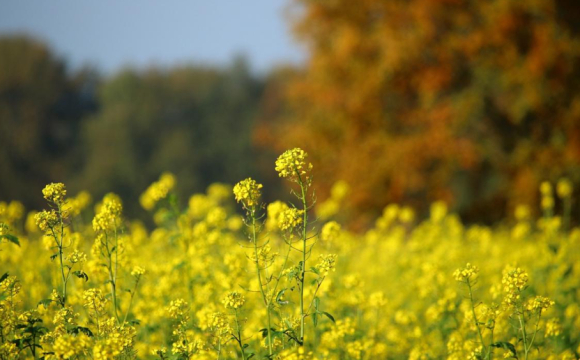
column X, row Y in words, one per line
column 193, row 121
column 41, row 107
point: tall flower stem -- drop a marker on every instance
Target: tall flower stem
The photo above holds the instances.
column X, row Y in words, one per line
column 239, row 338
column 303, row 267
column 259, row 272
column 483, row 347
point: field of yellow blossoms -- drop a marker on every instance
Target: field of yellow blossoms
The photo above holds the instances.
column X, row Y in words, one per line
column 229, row 277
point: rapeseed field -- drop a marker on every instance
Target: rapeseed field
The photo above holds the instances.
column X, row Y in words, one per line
column 230, row 277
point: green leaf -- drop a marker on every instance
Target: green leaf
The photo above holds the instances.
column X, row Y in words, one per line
column 279, row 296
column 507, row 346
column 81, row 274
column 44, row 302
column 180, row 265
column 316, row 303
column 315, row 319
column 3, row 277
column 53, row 256
column 328, row 316
column 11, row 238
column 315, row 270
column 79, row 329
column 264, row 332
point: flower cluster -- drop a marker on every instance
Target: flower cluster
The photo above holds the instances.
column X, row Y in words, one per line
column 326, row 263
column 79, row 203
column 564, row 188
column 547, row 196
column 514, row 281
column 94, row 301
column 248, row 192
column 274, row 210
column 46, row 220
column 157, row 191
column 466, row 273
column 76, row 256
column 54, row 192
column 137, row 271
column 178, row 309
column 234, row 300
column 330, row 231
column 539, row 304
column 292, row 164
column 290, row 219
column 108, row 215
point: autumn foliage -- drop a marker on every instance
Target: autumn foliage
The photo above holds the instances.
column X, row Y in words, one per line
column 471, row 102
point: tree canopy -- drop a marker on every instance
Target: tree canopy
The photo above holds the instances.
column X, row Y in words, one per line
column 472, row 102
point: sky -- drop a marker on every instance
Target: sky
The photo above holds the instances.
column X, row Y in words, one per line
column 111, row 34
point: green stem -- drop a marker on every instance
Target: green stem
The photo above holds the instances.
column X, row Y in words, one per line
column 567, row 212
column 535, row 332
column 259, row 272
column 60, row 258
column 483, row 347
column 116, row 269
column 489, row 353
column 219, row 350
column 303, row 270
column 131, row 299
column 112, row 278
column 240, row 342
column 314, row 296
column 524, row 335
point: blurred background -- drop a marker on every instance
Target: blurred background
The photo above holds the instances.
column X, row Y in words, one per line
column 407, row 101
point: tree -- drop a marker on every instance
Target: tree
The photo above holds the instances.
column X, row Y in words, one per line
column 41, row 107
column 193, row 121
column 473, row 102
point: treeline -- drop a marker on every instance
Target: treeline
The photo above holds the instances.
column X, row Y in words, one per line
column 119, row 133
column 473, row 103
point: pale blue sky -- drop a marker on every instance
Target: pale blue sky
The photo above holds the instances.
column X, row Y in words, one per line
column 110, row 34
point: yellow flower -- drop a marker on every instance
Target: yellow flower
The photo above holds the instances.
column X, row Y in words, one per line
column 539, row 304
column 290, row 218
column 138, row 271
column 326, row 263
column 330, row 231
column 514, row 281
column 157, row 191
column 564, row 188
column 553, row 328
column 94, row 301
column 46, row 220
column 274, row 210
column 468, row 272
column 178, row 309
column 77, row 256
column 234, row 300
column 292, row 164
column 546, row 188
column 248, row 192
column 54, row 192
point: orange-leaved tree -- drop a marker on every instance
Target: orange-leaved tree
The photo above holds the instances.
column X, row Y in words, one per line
column 472, row 102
